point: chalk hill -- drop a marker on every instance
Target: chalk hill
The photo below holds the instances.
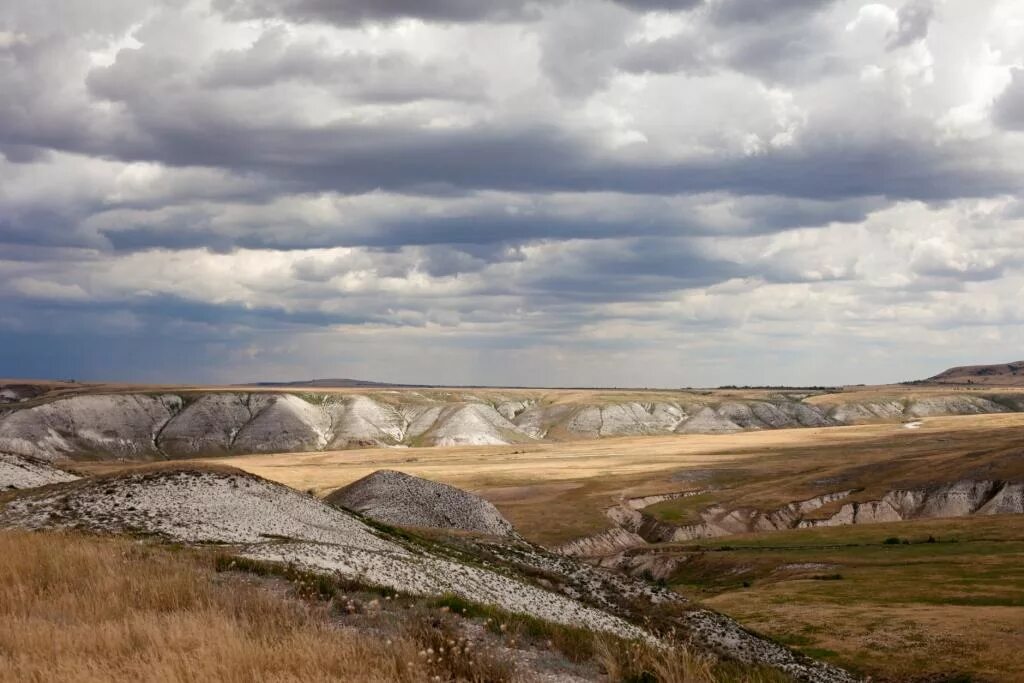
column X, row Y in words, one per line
column 93, row 422
column 264, row 521
column 403, row 500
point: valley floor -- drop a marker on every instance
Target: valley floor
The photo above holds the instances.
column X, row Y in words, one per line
column 557, row 492
column 903, row 601
column 858, row 596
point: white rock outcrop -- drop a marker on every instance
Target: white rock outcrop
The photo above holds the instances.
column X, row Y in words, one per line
column 404, row 500
column 272, row 522
column 19, row 472
column 143, row 426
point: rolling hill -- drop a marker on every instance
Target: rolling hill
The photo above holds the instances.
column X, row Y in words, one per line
column 1001, row 374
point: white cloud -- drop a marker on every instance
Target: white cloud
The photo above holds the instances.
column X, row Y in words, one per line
column 581, row 192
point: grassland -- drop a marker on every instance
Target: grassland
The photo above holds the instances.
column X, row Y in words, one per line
column 83, row 608
column 928, row 599
column 894, row 610
column 952, row 609
column 554, row 492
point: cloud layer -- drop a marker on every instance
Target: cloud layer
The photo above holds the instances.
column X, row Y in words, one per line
column 638, row 192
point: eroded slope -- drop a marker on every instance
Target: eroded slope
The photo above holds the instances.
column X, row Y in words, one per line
column 157, row 425
column 269, row 522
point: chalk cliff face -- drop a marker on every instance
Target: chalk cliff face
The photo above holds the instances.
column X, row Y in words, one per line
column 140, row 426
column 634, row 528
column 957, row 499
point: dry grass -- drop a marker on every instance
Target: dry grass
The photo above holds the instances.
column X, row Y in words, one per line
column 637, row 662
column 642, row 663
column 84, row 609
column 554, row 492
column 894, row 611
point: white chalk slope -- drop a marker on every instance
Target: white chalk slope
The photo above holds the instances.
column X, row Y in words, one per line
column 167, row 425
column 403, row 500
column 272, row 522
column 18, row 472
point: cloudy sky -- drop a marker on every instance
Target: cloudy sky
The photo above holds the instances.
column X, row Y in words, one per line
column 562, row 192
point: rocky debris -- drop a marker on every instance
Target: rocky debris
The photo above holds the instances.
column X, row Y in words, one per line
column 404, row 500
column 718, row 632
column 19, row 472
column 145, row 426
column 612, row 590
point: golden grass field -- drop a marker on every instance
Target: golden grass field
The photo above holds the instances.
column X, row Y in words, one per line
column 555, row 492
column 84, row 609
column 898, row 612
column 88, row 609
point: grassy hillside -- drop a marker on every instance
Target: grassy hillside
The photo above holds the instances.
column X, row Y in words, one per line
column 83, row 609
column 901, row 601
column 78, row 608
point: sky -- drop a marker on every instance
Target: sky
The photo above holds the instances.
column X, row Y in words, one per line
column 602, row 193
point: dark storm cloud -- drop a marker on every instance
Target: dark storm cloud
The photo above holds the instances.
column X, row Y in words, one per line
column 660, row 5
column 354, row 12
column 163, row 116
column 179, row 182
column 482, row 229
column 729, row 12
column 630, row 269
column 353, row 158
column 350, row 12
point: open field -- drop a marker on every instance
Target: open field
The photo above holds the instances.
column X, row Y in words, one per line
column 894, row 610
column 555, row 492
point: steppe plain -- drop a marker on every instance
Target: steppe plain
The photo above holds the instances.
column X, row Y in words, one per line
column 876, row 528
